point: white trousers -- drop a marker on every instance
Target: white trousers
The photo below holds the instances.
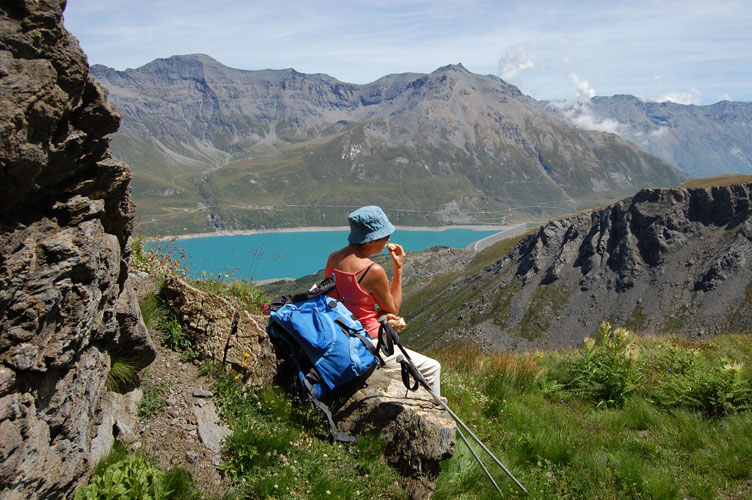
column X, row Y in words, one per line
column 429, row 367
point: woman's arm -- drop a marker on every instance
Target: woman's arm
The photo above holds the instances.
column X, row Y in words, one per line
column 376, row 282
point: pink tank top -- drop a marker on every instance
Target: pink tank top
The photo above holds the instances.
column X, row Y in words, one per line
column 358, row 301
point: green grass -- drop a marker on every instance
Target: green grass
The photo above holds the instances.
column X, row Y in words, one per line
column 159, row 318
column 622, row 417
column 123, row 375
column 561, row 441
column 280, row 450
column 154, row 401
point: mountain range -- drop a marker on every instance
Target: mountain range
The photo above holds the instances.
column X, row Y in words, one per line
column 702, row 141
column 213, row 147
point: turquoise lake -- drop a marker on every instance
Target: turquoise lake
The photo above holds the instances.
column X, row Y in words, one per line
column 266, row 256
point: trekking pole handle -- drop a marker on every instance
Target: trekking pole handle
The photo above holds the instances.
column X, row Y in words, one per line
column 390, row 331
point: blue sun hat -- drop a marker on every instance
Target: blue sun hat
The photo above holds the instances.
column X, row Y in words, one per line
column 368, row 224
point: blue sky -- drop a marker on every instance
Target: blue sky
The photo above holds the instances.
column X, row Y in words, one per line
column 691, row 52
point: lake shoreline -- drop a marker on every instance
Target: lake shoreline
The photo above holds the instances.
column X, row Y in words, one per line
column 317, row 229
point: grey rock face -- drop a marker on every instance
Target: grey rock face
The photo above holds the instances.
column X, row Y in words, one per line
column 665, row 260
column 66, row 218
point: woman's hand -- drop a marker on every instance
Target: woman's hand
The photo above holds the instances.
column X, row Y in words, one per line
column 397, row 253
column 396, row 322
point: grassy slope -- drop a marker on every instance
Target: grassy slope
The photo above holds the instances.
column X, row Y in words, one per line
column 721, row 180
column 562, row 446
column 629, row 417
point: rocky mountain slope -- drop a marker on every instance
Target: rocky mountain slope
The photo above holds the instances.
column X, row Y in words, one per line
column 664, row 260
column 66, row 310
column 702, row 141
column 259, row 148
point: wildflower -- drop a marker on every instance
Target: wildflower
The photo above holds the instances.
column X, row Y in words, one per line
column 328, row 492
column 733, row 367
column 632, row 352
column 276, row 486
column 244, row 364
column 589, row 343
column 246, row 355
column 237, row 377
column 621, row 334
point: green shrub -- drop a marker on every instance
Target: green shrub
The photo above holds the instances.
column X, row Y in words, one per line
column 606, row 371
column 131, row 476
column 706, row 386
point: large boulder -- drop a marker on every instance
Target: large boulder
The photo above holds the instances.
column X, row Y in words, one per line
column 65, row 221
column 223, row 333
column 418, row 433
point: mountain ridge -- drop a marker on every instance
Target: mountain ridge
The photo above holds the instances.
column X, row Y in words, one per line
column 450, row 146
column 672, row 260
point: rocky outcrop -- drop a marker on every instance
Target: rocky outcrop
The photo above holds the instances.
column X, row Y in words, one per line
column 65, row 308
column 418, row 433
column 662, row 261
column 222, row 333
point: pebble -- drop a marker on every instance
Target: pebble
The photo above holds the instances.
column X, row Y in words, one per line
column 201, row 393
column 192, row 456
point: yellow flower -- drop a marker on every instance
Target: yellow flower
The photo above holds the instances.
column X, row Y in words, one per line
column 589, row 343
column 632, row 352
column 734, row 367
column 246, row 355
column 244, row 364
column 237, row 377
column 621, row 334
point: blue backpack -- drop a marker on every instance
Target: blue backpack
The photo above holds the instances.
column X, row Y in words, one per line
column 328, row 346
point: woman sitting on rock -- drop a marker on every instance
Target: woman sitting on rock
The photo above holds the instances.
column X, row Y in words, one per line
column 362, row 284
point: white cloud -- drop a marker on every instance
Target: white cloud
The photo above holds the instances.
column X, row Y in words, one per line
column 690, row 97
column 580, row 115
column 589, row 122
column 514, row 62
column 584, row 90
column 659, row 132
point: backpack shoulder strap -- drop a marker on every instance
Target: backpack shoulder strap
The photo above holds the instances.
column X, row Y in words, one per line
column 317, row 290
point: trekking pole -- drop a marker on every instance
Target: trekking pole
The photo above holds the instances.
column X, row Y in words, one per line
column 421, row 379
